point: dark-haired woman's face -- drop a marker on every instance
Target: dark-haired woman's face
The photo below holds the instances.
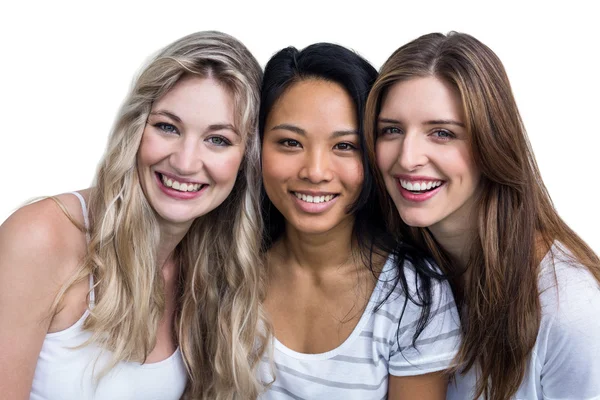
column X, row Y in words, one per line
column 311, row 161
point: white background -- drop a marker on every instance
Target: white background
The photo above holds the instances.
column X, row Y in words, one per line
column 65, row 67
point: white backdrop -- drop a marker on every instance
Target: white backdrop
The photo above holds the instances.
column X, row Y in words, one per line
column 65, row 67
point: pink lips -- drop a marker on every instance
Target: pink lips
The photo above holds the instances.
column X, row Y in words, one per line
column 417, row 197
column 176, row 194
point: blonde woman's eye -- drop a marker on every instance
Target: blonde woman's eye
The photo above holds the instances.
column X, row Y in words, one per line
column 167, row 128
column 218, row 141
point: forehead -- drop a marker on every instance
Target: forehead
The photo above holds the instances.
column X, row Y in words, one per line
column 314, row 103
column 426, row 98
column 194, row 97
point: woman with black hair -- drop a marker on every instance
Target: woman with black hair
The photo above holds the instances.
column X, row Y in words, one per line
column 355, row 314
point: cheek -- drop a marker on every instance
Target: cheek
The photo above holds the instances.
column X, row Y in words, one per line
column 385, row 156
column 225, row 167
column 353, row 173
column 150, row 150
column 275, row 167
column 460, row 163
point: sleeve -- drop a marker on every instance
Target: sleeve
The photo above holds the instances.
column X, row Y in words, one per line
column 571, row 366
column 438, row 343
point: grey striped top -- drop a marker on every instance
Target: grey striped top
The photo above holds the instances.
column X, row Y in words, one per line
column 359, row 367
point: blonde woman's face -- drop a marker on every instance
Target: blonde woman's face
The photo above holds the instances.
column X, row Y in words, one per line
column 190, row 152
column 424, row 155
column 311, row 163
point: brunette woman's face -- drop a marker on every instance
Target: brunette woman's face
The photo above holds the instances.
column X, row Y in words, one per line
column 311, row 162
column 424, row 154
column 191, row 151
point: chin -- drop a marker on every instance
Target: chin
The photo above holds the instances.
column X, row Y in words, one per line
column 416, row 221
column 172, row 217
column 312, row 228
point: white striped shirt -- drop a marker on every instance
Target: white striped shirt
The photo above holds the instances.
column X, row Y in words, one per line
column 360, row 366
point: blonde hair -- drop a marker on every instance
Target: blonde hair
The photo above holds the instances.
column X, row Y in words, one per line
column 220, row 323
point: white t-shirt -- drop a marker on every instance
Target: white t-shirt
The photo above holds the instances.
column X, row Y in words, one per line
column 565, row 361
column 359, row 367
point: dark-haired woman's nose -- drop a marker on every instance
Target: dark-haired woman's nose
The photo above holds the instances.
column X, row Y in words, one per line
column 317, row 167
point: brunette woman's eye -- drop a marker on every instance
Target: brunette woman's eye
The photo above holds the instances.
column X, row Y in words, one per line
column 167, row 128
column 443, row 134
column 390, row 130
column 218, row 141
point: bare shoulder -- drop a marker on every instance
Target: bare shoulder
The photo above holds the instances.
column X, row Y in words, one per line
column 39, row 248
column 40, row 235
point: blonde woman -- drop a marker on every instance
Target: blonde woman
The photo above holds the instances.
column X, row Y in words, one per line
column 146, row 285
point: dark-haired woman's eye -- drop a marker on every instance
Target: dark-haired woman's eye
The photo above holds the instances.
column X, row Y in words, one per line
column 344, row 146
column 290, row 143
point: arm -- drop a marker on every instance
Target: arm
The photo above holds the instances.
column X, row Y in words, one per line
column 570, row 368
column 420, row 373
column 30, row 248
column 430, row 386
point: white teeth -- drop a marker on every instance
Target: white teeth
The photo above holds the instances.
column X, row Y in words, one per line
column 313, row 199
column 419, row 186
column 182, row 187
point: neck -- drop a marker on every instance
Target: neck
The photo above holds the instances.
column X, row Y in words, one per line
column 455, row 243
column 456, row 237
column 170, row 236
column 317, row 252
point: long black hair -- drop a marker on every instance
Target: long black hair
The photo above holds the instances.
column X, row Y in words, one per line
column 337, row 64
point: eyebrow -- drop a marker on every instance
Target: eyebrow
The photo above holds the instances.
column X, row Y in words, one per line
column 218, row 127
column 167, row 114
column 445, row 122
column 302, row 132
column 431, row 122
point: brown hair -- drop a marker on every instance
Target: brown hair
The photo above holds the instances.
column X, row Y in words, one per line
column 516, row 220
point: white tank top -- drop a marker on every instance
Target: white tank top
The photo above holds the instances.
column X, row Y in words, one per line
column 64, row 373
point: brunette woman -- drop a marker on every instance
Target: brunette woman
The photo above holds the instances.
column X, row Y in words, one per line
column 460, row 172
